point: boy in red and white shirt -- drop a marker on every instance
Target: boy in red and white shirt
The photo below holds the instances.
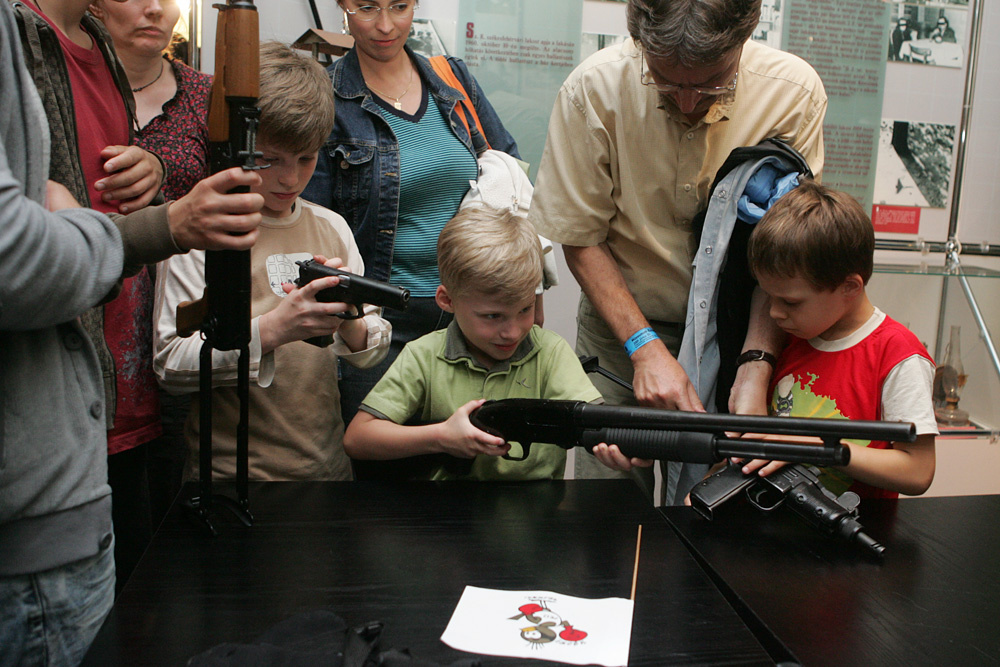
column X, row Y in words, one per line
column 812, row 254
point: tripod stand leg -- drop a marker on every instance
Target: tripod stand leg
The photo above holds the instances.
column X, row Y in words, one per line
column 243, row 430
column 200, row 506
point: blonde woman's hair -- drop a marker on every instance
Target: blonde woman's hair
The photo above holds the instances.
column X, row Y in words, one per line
column 296, row 99
column 490, row 251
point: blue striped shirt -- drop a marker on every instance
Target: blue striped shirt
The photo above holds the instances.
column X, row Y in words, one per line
column 434, row 173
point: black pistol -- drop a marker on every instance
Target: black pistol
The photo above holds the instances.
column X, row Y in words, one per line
column 353, row 289
column 795, row 486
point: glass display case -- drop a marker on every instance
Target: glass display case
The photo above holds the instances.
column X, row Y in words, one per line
column 931, row 301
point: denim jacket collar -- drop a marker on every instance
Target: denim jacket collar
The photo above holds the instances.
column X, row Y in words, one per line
column 349, row 82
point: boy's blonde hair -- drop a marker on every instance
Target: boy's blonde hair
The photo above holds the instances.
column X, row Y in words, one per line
column 820, row 234
column 490, row 251
column 296, row 99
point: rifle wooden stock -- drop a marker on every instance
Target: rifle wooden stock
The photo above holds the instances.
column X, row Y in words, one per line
column 237, row 65
column 190, row 316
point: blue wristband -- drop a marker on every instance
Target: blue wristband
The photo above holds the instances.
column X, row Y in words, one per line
column 640, row 338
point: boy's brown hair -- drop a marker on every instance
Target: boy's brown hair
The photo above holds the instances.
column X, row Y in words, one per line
column 820, row 234
column 296, row 100
column 494, row 252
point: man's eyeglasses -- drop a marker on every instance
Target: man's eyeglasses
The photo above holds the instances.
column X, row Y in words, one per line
column 669, row 88
column 397, row 10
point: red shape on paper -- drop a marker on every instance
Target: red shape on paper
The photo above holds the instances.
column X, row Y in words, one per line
column 896, row 219
column 571, row 634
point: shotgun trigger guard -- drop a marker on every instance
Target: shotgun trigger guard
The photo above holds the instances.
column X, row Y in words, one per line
column 525, row 450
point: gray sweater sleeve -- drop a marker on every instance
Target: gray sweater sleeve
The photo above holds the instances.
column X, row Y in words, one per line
column 53, row 266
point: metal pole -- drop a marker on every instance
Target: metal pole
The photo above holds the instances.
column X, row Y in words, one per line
column 970, row 89
column 981, row 249
column 977, row 314
column 194, row 38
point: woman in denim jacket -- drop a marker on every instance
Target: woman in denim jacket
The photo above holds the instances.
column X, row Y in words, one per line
column 396, row 166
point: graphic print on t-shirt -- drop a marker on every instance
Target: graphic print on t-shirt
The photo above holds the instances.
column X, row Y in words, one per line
column 793, row 397
column 281, row 268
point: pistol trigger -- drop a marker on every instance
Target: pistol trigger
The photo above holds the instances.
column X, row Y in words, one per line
column 764, row 497
column 348, row 315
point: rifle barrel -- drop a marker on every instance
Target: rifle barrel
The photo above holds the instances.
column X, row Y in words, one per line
column 597, row 416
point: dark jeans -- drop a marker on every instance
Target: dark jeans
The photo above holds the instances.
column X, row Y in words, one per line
column 167, row 455
column 129, row 509
column 422, row 316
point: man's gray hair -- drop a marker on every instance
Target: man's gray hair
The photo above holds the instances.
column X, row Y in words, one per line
column 692, row 33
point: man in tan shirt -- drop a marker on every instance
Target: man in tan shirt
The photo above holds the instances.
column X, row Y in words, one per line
column 636, row 136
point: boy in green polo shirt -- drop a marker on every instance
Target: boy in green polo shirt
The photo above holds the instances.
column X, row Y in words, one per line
column 490, row 262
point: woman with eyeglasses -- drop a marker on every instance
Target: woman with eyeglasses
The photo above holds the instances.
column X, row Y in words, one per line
column 396, row 166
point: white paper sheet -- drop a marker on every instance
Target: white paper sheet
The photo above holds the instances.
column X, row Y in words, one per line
column 541, row 624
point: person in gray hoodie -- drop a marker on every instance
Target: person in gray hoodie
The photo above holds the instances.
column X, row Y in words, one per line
column 56, row 261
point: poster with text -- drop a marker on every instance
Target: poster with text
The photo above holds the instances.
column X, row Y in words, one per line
column 846, row 43
column 520, row 52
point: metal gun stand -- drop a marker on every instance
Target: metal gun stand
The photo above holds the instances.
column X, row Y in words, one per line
column 228, row 291
column 201, row 505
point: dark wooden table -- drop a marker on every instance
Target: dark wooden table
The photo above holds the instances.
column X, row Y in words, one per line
column 934, row 600
column 402, row 554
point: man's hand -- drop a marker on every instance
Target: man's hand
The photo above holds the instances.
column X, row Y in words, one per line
column 748, row 395
column 209, row 219
column 660, row 382
column 460, row 438
column 58, row 197
column 136, row 176
column 612, row 457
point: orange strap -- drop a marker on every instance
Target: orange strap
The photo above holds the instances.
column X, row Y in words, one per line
column 443, row 70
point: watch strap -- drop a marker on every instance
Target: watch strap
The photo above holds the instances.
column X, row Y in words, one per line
column 756, row 355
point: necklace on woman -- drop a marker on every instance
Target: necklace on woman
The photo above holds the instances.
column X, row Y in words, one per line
column 141, row 88
column 395, row 100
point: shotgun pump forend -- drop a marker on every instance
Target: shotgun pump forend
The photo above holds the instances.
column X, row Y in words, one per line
column 670, row 435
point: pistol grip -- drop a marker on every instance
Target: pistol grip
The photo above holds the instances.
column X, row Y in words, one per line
column 718, row 488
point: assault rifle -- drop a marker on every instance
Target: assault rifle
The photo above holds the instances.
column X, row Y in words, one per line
column 794, row 486
column 223, row 313
column 690, row 437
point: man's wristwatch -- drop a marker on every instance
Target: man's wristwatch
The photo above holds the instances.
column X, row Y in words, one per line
column 756, row 355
